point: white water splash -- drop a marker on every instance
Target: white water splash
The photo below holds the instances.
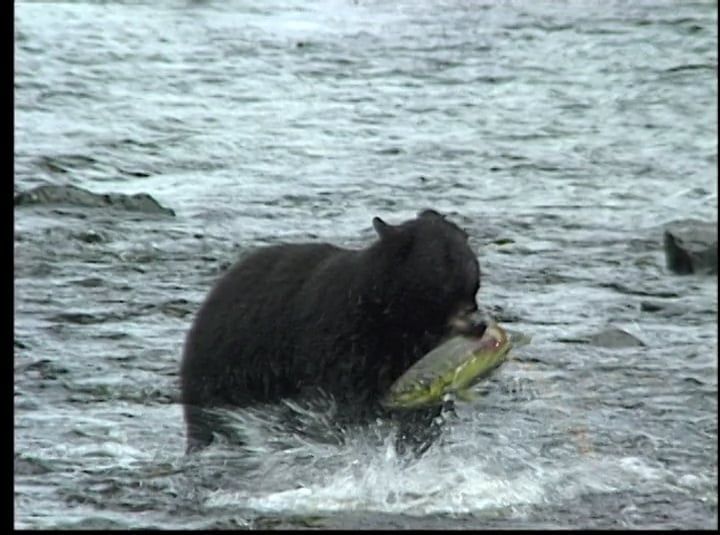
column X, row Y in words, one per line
column 461, row 474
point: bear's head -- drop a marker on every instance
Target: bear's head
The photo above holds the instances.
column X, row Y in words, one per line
column 429, row 274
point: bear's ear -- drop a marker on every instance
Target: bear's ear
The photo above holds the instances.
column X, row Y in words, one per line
column 383, row 229
column 429, row 212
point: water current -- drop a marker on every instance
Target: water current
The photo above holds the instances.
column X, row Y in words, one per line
column 561, row 135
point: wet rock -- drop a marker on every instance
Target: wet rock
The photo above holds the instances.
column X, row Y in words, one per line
column 79, row 317
column 29, row 466
column 42, row 368
column 178, row 308
column 89, row 236
column 74, row 196
column 691, row 247
column 90, row 282
column 613, row 337
column 663, row 309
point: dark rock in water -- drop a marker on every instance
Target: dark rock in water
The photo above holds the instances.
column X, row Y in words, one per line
column 611, row 337
column 647, row 306
column 72, row 195
column 571, row 340
column 89, row 236
column 663, row 309
column 27, row 466
column 691, row 247
column 614, row 337
column 42, row 368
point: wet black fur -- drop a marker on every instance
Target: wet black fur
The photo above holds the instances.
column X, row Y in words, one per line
column 296, row 316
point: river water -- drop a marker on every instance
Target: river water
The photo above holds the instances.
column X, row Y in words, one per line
column 562, row 136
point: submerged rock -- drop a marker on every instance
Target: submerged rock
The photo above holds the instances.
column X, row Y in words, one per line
column 663, row 309
column 74, row 196
column 614, row 337
column 30, row 466
column 610, row 337
column 691, row 247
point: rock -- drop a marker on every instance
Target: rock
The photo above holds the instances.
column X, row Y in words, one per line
column 667, row 310
column 691, row 247
column 572, row 340
column 89, row 236
column 613, row 337
column 610, row 337
column 72, row 195
column 647, row 306
column 29, row 466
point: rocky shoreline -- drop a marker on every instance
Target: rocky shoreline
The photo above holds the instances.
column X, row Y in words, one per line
column 74, row 196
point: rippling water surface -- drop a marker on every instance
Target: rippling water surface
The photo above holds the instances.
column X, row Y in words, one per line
column 561, row 135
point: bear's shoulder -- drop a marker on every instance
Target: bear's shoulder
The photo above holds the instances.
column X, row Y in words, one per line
column 285, row 256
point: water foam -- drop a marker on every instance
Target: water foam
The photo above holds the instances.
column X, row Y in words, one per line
column 461, row 474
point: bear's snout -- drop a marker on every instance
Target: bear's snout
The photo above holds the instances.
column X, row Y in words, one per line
column 467, row 321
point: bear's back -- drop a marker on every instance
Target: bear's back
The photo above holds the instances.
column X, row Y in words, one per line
column 247, row 319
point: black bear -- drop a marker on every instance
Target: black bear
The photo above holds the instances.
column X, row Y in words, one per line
column 349, row 322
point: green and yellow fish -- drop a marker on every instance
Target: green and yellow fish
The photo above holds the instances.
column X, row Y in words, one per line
column 452, row 367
